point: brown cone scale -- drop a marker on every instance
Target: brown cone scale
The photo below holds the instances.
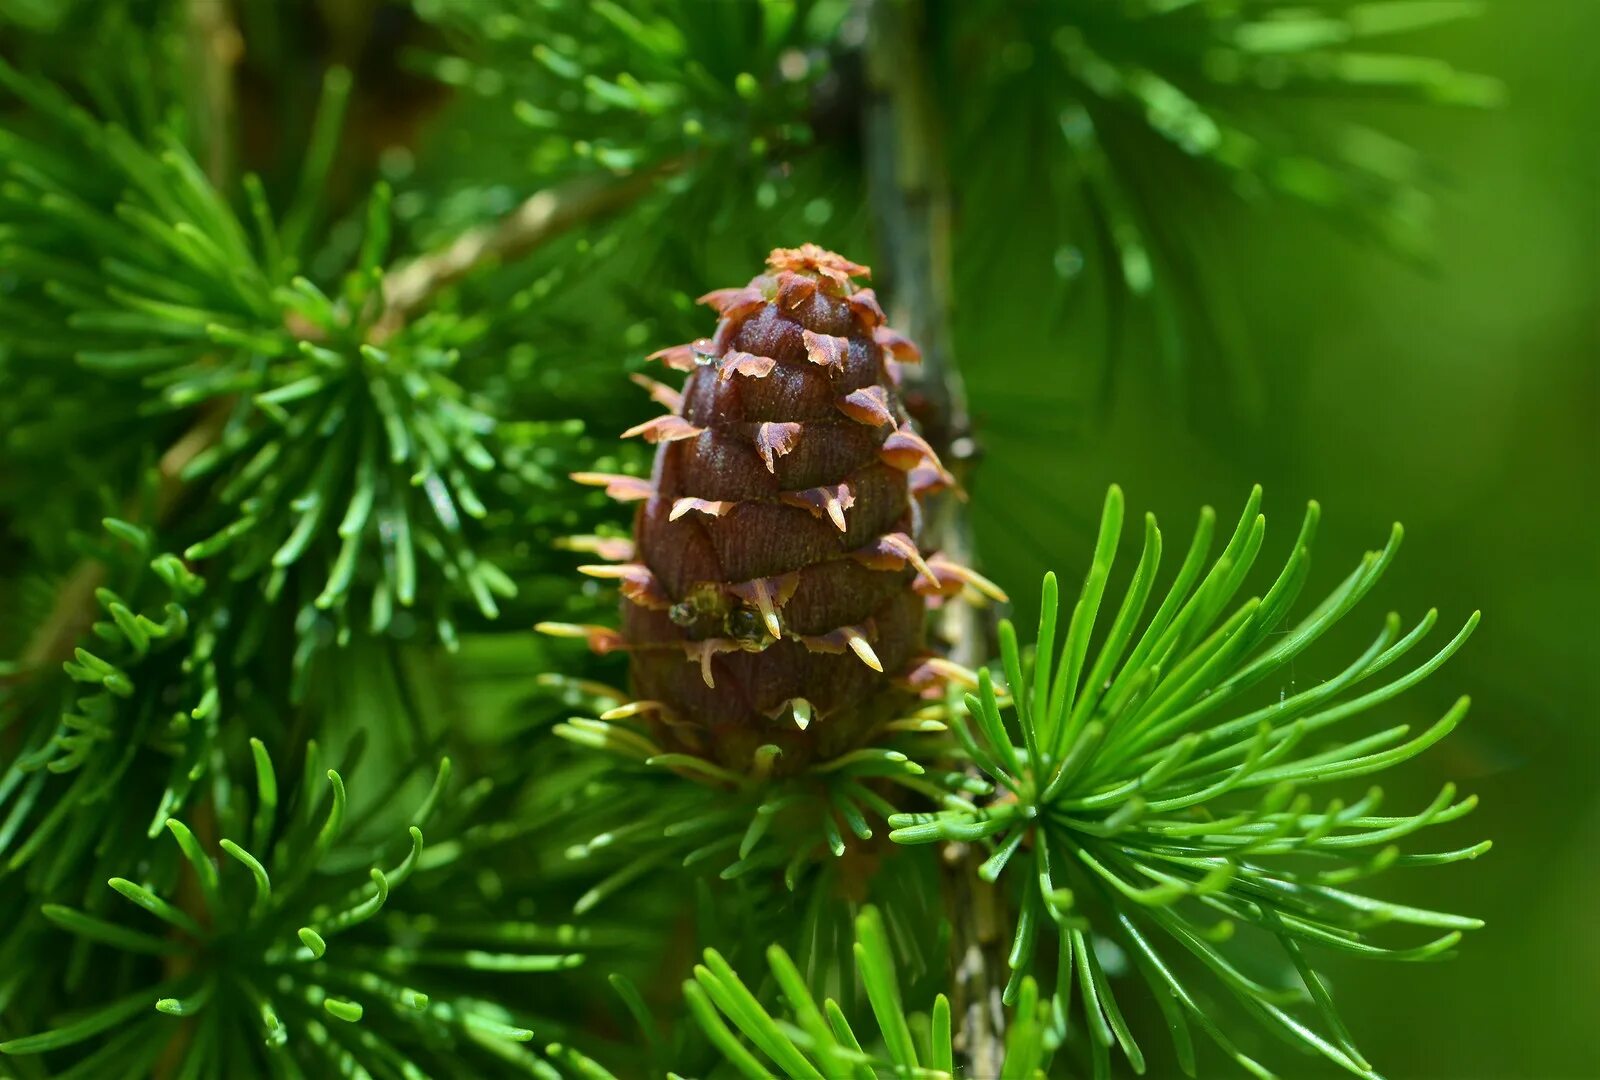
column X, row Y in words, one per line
column 784, row 496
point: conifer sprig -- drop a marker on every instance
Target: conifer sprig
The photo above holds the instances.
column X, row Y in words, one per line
column 1216, row 82
column 748, row 822
column 1115, row 99
column 130, row 739
column 811, row 1041
column 622, row 85
column 280, row 954
column 730, row 107
column 338, row 431
column 1153, row 804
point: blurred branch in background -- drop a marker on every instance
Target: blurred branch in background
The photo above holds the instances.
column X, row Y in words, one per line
column 540, row 217
column 1127, row 120
column 907, row 158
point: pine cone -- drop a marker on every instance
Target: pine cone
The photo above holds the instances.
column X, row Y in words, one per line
column 776, row 592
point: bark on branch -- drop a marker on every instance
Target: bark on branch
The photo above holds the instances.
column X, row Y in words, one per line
column 910, row 191
column 542, row 216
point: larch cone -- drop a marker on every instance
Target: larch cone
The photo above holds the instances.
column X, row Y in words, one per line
column 776, row 592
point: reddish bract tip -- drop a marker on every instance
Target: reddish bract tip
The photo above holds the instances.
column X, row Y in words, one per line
column 712, row 507
column 732, row 303
column 775, row 440
column 830, row 501
column 664, row 429
column 869, row 405
column 794, row 289
column 743, row 363
column 818, row 260
column 898, row 347
column 636, row 581
column 825, row 350
column 618, row 486
column 679, row 357
column 613, row 548
column 601, row 639
column 864, row 304
column 767, row 595
column 659, row 392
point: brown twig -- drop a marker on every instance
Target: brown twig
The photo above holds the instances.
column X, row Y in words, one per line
column 215, row 49
column 541, row 217
column 910, row 192
column 74, row 607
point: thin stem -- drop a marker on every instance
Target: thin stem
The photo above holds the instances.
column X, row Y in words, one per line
column 75, row 604
column 215, row 48
column 910, row 193
column 541, row 217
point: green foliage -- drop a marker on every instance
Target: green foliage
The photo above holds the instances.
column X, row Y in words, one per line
column 137, row 728
column 731, row 106
column 167, row 360
column 708, row 813
column 331, row 430
column 1149, row 797
column 273, row 954
column 620, row 85
column 1128, row 108
column 820, row 1042
column 783, row 859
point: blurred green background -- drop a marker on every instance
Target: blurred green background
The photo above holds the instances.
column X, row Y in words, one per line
column 1464, row 400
